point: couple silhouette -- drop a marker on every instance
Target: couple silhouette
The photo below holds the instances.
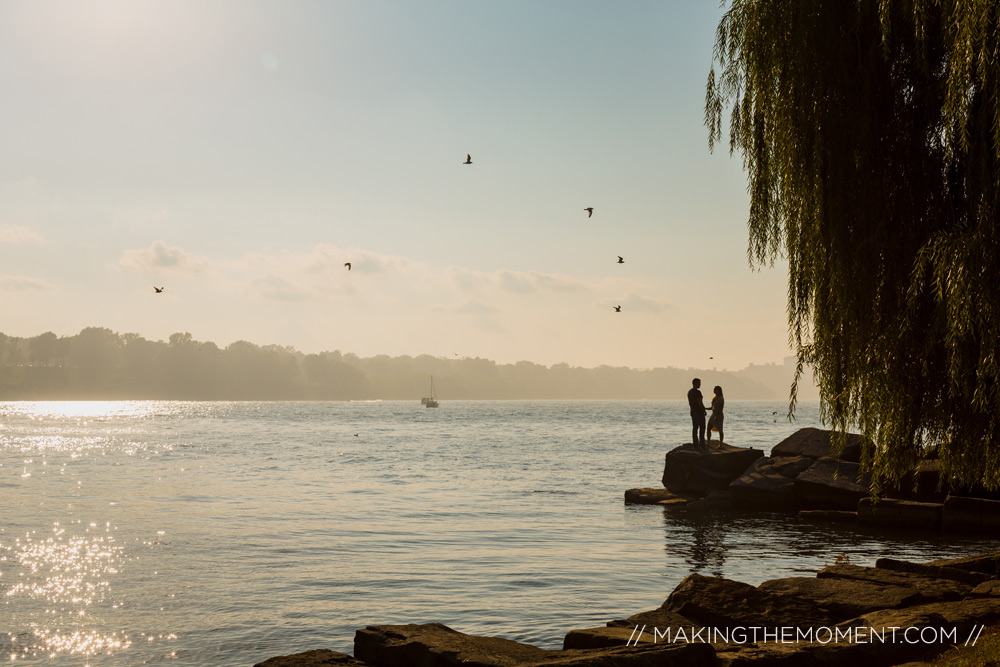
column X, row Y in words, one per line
column 699, row 412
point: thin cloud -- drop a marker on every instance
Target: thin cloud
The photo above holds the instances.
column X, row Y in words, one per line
column 519, row 282
column 277, row 288
column 159, row 258
column 326, row 257
column 472, row 308
column 636, row 303
column 21, row 285
column 14, row 234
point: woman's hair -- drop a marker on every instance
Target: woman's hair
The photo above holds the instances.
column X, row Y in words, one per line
column 717, row 390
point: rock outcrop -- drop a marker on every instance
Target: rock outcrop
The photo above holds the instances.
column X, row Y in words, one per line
column 769, row 483
column 807, row 473
column 843, row 615
column 690, row 470
column 817, row 443
column 436, row 645
column 316, row 658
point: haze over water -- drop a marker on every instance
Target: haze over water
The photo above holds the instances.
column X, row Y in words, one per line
column 226, row 533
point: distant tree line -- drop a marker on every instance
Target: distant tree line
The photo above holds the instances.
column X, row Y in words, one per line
column 99, row 363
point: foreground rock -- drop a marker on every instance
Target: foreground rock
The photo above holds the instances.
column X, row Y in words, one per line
column 846, row 615
column 316, row 658
column 436, row 645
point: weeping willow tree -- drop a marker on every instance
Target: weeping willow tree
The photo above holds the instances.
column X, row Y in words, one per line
column 870, row 132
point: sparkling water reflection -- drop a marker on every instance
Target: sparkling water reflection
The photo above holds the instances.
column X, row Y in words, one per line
column 226, row 533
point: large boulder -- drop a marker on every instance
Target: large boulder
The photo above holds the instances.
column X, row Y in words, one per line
column 769, row 483
column 961, row 615
column 987, row 563
column 840, row 516
column 900, row 513
column 928, row 589
column 854, row 645
column 816, row 443
column 971, row 515
column 832, row 484
column 437, row 645
column 661, row 617
column 724, row 603
column 646, row 654
column 842, row 599
column 933, row 569
column 922, row 484
column 695, row 471
column 320, row 657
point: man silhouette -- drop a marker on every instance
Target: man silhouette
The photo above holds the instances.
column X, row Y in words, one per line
column 698, row 412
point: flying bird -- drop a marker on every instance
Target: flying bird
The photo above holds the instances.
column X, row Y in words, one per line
column 468, row 159
column 348, row 265
column 589, row 210
column 620, row 260
column 618, row 309
column 158, row 289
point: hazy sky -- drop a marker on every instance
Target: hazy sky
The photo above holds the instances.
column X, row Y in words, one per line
column 238, row 153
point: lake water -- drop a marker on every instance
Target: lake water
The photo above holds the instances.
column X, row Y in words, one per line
column 227, row 533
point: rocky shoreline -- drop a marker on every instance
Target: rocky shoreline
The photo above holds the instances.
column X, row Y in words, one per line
column 893, row 613
column 805, row 474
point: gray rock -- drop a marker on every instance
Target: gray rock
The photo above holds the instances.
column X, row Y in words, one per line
column 653, row 497
column 930, row 570
column 437, row 645
column 690, row 470
column 900, row 513
column 974, row 515
column 815, row 443
column 769, row 483
column 987, row 589
column 921, row 483
column 316, row 658
column 654, row 618
column 716, row 500
column 832, row 484
column 988, row 563
column 842, row 598
column 928, row 589
column 963, row 615
column 842, row 516
column 724, row 603
column 644, row 655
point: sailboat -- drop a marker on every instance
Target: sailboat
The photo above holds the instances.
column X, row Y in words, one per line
column 430, row 401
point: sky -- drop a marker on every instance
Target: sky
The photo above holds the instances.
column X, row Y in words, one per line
column 239, row 153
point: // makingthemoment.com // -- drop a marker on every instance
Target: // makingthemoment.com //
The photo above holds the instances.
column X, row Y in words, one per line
column 795, row 635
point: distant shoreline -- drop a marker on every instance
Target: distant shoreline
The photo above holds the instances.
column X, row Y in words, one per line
column 100, row 364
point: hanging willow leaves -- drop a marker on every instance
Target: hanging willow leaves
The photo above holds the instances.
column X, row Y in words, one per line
column 870, row 132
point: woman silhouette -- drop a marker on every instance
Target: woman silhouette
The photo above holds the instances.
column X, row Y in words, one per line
column 715, row 421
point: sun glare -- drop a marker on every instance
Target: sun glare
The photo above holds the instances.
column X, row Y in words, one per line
column 79, row 409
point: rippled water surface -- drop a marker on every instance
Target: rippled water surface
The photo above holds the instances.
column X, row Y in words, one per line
column 227, row 533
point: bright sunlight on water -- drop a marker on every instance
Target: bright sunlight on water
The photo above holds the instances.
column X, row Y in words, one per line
column 228, row 533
